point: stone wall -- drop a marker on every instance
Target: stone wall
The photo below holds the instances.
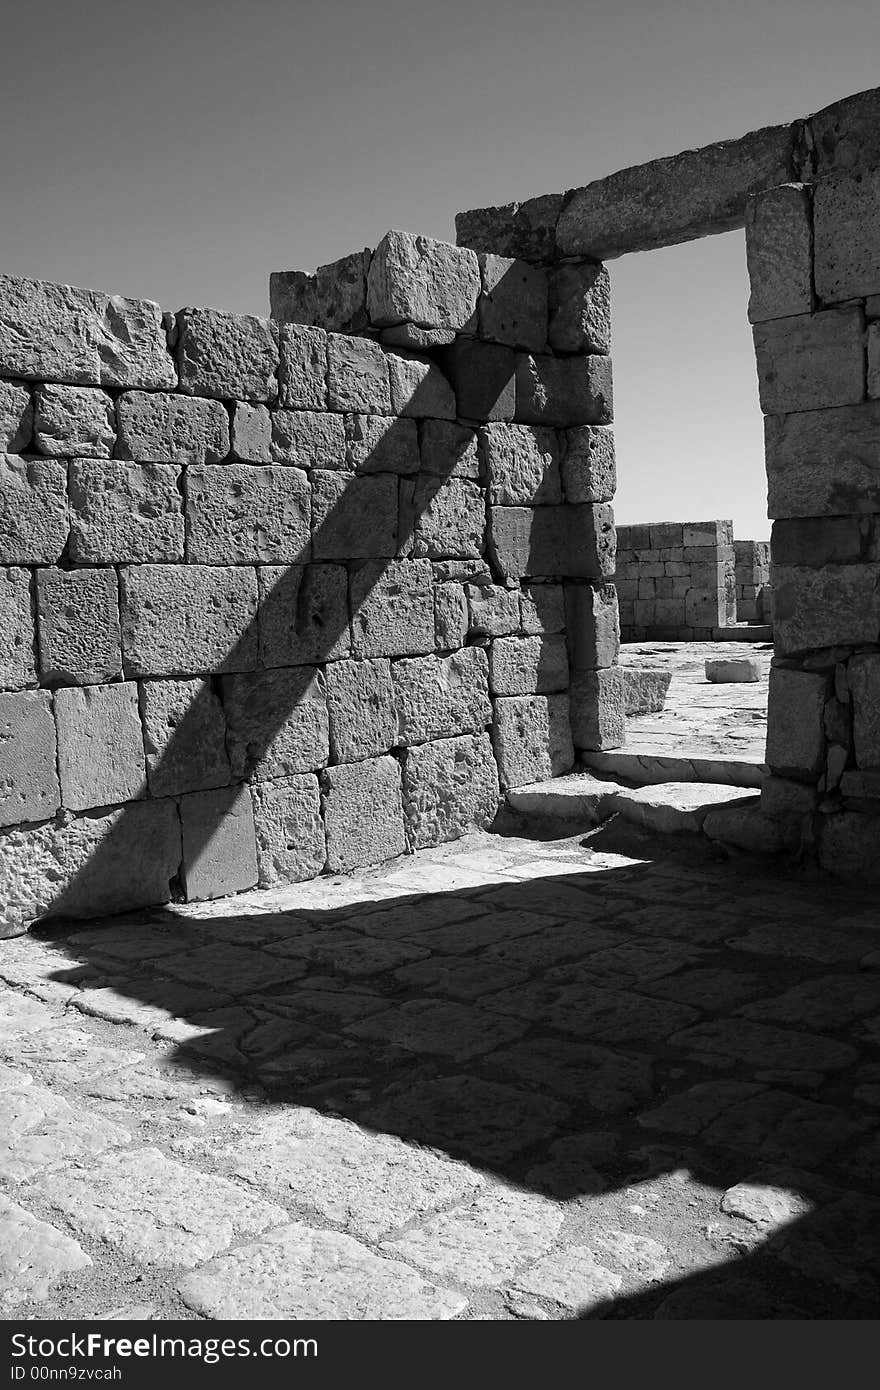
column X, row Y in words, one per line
column 754, row 592
column 675, row 580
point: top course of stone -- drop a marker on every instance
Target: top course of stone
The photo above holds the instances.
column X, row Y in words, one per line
column 680, row 197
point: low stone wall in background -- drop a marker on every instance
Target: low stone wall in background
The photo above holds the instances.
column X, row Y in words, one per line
column 675, row 580
column 754, row 592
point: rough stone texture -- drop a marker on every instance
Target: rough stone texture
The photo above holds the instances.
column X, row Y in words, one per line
column 17, row 656
column 392, row 608
column 247, row 514
column 33, row 510
column 449, row 787
column 526, row 230
column 528, row 665
column 598, row 717
column 353, row 518
column 418, row 387
column 836, row 605
column 251, row 435
column 303, row 368
column 845, row 211
column 493, row 611
column 34, row 1256
column 580, row 309
column 592, row 625
column 873, row 360
column 79, row 630
column 543, row 607
column 381, row 444
column 308, row 439
column 227, row 355
column 357, row 376
column 450, row 616
column 276, row 722
column 157, row 428
column 303, row 615
column 415, row 338
column 522, row 464
column 61, row 333
column 125, row 512
column 795, row 733
column 363, row 813
column 513, row 303
column 334, row 297
column 219, row 844
column 564, row 390
column 532, row 738
column 483, row 376
column 40, row 1131
column 449, row 518
column 100, row 745
column 864, row 683
column 438, row 697
column 363, row 717
column 28, row 779
column 577, row 542
column 811, row 361
column 184, row 737
column 644, row 691
column 779, row 252
column 187, row 620
column 16, row 417
column 74, row 420
column 589, row 472
column 449, row 450
column 289, row 830
column 415, row 279
column 823, row 462
column 732, row 669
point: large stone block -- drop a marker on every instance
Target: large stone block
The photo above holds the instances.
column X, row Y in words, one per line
column 74, row 420
column 241, row 513
column 864, row 683
column 824, row 462
column 392, row 608
column 513, row 304
column 580, row 309
column 303, row 369
column 563, row 390
column 440, row 696
column 230, row 356
column 522, row 464
column 276, row 722
column 449, row 787
column 493, row 611
column 532, row 738
column 184, row 737
column 528, row 665
column 592, row 624
column 835, row 606
column 644, row 690
column 125, row 513
column 574, row 542
column 363, row 813
column 419, row 388
column 449, row 518
column 542, row 607
column 78, row 625
column 811, row 361
column 821, row 540
column 357, row 376
column 219, row 843
column 100, row 745
column 795, row 728
column 308, row 439
column 251, row 435
column 526, row 230
column 353, row 518
column 483, row 376
column 449, row 451
column 291, row 844
column 16, row 417
column 598, row 709
column 28, row 778
column 450, row 615
column 779, row 251
column 61, row 333
column 303, row 614
column 363, row 716
column 846, row 255
column 180, row 620
column 33, row 510
column 335, row 297
column 159, row 428
column 17, row 655
column 381, row 444
column 845, row 134
column 414, row 338
column 415, row 279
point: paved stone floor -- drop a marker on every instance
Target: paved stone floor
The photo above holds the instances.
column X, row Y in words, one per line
column 605, row 1076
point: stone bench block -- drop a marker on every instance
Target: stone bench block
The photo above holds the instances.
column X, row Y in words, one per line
column 100, row 745
column 74, row 420
column 181, row 620
column 439, row 697
column 513, row 303
column 522, row 464
column 239, row 513
column 580, row 309
column 483, row 376
column 302, row 371
column 448, row 518
column 823, row 462
column 415, row 279
column 419, row 388
column 779, row 252
column 303, row 615
column 33, row 510
column 79, row 625
column 17, row 655
column 589, row 471
column 846, row 256
column 564, row 390
column 363, row 714
column 381, row 444
column 184, row 736
column 159, row 428
column 291, row 844
column 16, row 417
column 592, row 625
column 449, row 788
column 308, row 439
column 528, row 665
column 357, row 376
column 795, row 722
column 363, row 813
column 219, row 843
column 228, row 356
column 28, row 778
column 353, row 518
column 125, row 513
column 392, row 608
column 838, row 605
column 598, row 718
column 531, row 735
column 276, row 722
column 251, row 434
column 576, row 542
column 811, row 361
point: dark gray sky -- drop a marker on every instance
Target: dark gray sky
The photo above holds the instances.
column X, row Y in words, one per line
column 183, row 150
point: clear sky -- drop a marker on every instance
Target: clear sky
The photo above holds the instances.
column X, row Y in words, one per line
column 183, row 150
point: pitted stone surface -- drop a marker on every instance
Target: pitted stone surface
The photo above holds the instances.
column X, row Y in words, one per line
column 363, row 813
column 419, row 388
column 392, row 606
column 276, row 722
column 16, row 417
column 240, row 514
column 157, row 428
column 28, row 778
column 353, row 518
column 363, row 717
column 303, row 374
column 449, row 787
column 74, row 420
column 308, row 439
column 442, row 696
column 17, row 655
column 33, row 510
column 182, row 620
column 418, row 280
column 303, row 616
column 449, row 518
column 289, row 831
column 79, row 625
column 381, row 444
column 522, row 464
column 100, row 745
column 227, row 355
column 357, row 376
column 184, row 737
column 528, row 665
column 124, row 513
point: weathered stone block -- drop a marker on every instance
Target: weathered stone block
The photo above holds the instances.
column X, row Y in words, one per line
column 292, row 296
column 16, row 417
column 532, row 738
column 188, row 619
column 696, row 534
column 701, row 609
column 834, row 606
column 229, row 356
column 493, row 610
column 513, row 303
column 74, row 420
column 363, row 717
column 589, row 472
column 580, row 309
column 243, row 513
column 78, row 625
column 415, row 338
column 528, row 665
column 779, row 250
column 824, row 462
column 381, row 444
column 526, row 230
column 415, row 279
column 392, row 608
column 820, row 540
column 440, row 696
column 449, row 787
column 522, row 464
column 598, row 709
column 864, row 683
column 251, row 435
column 357, row 376
column 732, row 670
column 28, row 779
column 303, row 367
column 846, row 257
column 592, row 624
column 418, row 387
column 334, row 297
column 303, row 614
column 483, row 376
column 308, row 439
column 33, row 510
column 291, row 845
column 575, row 542
column 542, row 607
column 450, row 616
column 353, row 518
column 124, row 512
column 61, row 333
column 219, row 843
column 363, row 813
column 563, row 390
column 644, row 691
column 811, row 361
column 449, row 451
column 158, row 428
column 795, row 727
column 100, row 745
column 184, row 737
column 276, row 722
column 17, row 657
column 450, row 518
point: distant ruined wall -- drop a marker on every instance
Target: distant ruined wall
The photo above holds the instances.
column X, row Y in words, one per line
column 675, row 580
column 754, row 592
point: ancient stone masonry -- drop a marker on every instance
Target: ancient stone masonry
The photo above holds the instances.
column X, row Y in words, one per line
column 754, row 592
column 675, row 580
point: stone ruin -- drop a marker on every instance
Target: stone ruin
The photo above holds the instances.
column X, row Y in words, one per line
column 297, row 594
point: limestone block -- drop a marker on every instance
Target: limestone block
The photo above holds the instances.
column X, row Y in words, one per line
column 158, row 428
column 182, row 620
column 563, row 390
column 353, row 518
column 697, row 534
column 74, row 420
column 598, row 717
column 61, row 333
column 334, row 297
column 450, row 518
column 16, row 417
column 392, row 608
column 276, row 722
column 701, row 609
column 449, row 787
column 644, row 691
column 418, row 387
column 592, row 623
column 303, row 614
column 513, row 303
column 28, row 779
column 845, row 134
column 543, row 608
column 849, row 846
column 532, row 738
column 526, row 230
column 821, row 540
column 811, row 361
column 834, row 606
column 184, row 737
column 124, row 513
column 229, row 356
column 100, row 745
column 303, row 369
column 440, row 696
column 732, row 670
column 363, row 813
column 577, row 542
column 528, row 665
column 784, row 799
column 522, row 464
column 580, row 309
column 363, row 717
column 78, row 625
column 795, row 727
column 415, row 279
column 219, row 843
column 292, row 297
column 17, row 657
column 846, row 257
column 779, row 249
column 483, row 376
column 308, row 439
column 823, row 462
column 240, row 513
column 589, row 472
column 864, row 684
column 33, row 510
column 449, row 451
column 381, row 444
column 450, row 616
column 291, row 845
column 251, row 438
column 357, row 376
column 493, row 610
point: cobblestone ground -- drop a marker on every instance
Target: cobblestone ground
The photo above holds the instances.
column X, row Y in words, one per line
column 514, row 1078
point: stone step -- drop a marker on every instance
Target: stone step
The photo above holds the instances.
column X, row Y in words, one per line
column 665, row 807
column 648, row 768
column 744, row 632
